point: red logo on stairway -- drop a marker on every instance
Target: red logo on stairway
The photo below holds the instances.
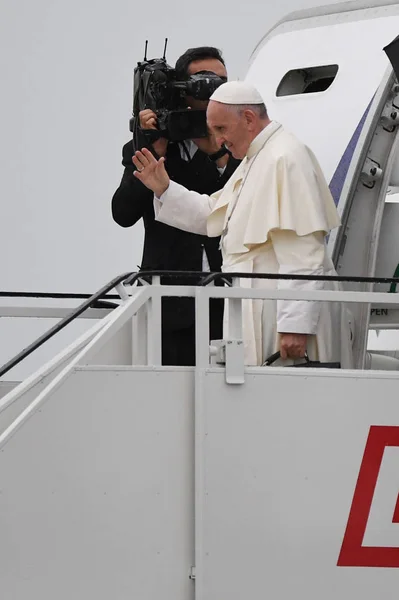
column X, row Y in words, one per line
column 353, row 553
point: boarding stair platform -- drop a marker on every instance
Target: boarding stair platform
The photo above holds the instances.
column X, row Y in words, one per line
column 121, row 478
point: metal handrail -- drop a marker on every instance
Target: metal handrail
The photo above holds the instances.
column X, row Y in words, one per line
column 76, row 312
column 206, row 278
column 52, row 295
column 134, row 277
column 211, row 277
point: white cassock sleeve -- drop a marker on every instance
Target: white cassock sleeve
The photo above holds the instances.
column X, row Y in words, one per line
column 298, row 255
column 184, row 209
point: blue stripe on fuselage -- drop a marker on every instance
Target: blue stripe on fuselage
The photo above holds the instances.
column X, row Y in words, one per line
column 337, row 181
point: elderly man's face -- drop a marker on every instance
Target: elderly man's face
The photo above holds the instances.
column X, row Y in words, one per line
column 230, row 128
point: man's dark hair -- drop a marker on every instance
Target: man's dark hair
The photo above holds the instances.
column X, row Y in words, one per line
column 193, row 54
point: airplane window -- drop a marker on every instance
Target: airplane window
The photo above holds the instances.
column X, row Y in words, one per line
column 307, row 81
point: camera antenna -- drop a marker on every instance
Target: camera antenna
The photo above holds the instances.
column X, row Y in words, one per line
column 145, row 50
column 164, row 50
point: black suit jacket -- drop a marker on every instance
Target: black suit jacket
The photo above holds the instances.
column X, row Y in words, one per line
column 168, row 248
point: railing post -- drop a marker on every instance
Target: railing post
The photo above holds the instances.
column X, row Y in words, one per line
column 154, row 323
column 202, row 363
column 121, row 290
column 201, row 327
column 234, row 349
column 139, row 336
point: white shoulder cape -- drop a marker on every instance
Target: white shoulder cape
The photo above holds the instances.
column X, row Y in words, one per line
column 284, row 189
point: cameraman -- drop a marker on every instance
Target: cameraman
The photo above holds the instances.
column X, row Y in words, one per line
column 200, row 166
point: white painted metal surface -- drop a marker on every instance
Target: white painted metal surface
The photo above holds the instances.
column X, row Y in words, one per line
column 6, row 387
column 388, row 251
column 281, row 457
column 21, row 395
column 97, row 488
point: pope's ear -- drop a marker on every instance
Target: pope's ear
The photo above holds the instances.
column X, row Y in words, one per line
column 250, row 117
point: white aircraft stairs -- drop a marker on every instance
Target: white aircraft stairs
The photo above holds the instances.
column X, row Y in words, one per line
column 123, row 479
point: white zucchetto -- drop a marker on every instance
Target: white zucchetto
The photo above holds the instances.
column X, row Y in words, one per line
column 237, row 92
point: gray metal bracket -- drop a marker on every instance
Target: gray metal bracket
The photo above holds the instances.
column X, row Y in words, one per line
column 230, row 354
column 234, row 351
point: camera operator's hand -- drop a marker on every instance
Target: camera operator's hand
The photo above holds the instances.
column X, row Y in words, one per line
column 148, row 120
column 151, row 171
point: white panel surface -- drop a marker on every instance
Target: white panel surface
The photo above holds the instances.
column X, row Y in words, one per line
column 96, row 492
column 7, row 386
column 10, row 410
column 388, row 249
column 117, row 350
column 281, row 460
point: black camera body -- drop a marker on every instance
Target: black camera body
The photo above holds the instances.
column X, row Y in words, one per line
column 157, row 87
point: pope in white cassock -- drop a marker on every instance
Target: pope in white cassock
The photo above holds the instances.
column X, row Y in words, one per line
column 273, row 216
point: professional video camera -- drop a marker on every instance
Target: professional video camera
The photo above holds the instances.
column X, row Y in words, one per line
column 157, row 86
